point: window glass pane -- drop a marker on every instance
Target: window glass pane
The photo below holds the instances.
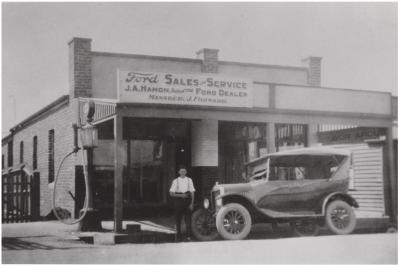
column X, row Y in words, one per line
column 106, row 130
column 253, row 150
column 146, row 172
column 290, row 136
column 34, row 158
column 103, row 154
column 21, row 152
column 10, row 157
column 51, row 156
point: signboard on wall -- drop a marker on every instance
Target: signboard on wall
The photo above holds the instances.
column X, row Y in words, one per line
column 184, row 89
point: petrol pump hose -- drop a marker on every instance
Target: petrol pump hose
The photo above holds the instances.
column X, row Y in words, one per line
column 85, row 205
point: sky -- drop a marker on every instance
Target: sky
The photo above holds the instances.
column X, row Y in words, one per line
column 357, row 41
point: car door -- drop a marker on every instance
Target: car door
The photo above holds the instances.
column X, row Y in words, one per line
column 290, row 190
column 285, row 196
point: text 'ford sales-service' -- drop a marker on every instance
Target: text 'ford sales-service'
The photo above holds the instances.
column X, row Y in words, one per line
column 182, row 89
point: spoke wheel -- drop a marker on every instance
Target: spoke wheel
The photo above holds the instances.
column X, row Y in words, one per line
column 233, row 222
column 304, row 227
column 203, row 225
column 340, row 217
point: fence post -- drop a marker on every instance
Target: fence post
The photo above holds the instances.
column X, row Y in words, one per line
column 35, row 196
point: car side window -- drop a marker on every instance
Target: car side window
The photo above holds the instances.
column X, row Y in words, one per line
column 303, row 167
column 285, row 173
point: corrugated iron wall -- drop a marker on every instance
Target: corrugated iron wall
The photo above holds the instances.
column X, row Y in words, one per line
column 368, row 178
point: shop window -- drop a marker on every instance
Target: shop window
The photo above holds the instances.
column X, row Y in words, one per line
column 149, row 159
column 2, row 162
column 239, row 142
column 51, row 156
column 145, row 171
column 290, row 136
column 10, row 157
column 34, row 153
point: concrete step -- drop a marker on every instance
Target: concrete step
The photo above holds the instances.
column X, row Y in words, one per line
column 133, row 228
column 140, row 237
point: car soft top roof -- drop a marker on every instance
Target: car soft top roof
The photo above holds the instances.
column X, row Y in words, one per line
column 316, row 151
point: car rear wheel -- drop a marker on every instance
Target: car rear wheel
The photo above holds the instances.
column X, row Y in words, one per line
column 203, row 225
column 233, row 222
column 304, row 227
column 340, row 217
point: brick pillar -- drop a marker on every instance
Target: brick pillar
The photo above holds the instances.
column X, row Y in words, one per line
column 314, row 70
column 206, row 174
column 210, row 60
column 204, row 147
column 80, row 68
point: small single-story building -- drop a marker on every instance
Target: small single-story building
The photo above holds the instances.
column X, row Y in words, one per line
column 154, row 113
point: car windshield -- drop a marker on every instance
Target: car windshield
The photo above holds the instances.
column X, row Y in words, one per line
column 298, row 167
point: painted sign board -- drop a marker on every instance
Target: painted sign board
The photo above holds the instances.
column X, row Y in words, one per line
column 184, row 89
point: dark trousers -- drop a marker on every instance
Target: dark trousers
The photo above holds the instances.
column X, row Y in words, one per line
column 181, row 209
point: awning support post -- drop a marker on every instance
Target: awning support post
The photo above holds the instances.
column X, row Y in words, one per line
column 392, row 176
column 118, row 172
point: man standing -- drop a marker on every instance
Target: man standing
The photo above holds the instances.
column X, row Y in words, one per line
column 182, row 191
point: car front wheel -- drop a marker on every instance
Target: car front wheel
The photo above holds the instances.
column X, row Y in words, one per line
column 233, row 222
column 340, row 217
column 203, row 225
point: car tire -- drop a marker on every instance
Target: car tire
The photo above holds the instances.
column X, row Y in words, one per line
column 340, row 217
column 233, row 222
column 304, row 227
column 391, row 230
column 203, row 225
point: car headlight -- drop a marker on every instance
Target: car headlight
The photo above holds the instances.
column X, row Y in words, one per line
column 206, row 203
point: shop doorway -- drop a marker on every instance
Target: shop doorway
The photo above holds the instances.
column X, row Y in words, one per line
column 182, row 156
column 155, row 150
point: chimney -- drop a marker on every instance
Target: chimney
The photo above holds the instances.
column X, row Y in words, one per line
column 80, row 68
column 210, row 60
column 314, row 70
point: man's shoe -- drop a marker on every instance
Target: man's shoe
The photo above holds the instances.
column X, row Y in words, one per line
column 178, row 238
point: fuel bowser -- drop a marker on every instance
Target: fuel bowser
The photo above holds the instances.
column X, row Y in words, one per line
column 89, row 219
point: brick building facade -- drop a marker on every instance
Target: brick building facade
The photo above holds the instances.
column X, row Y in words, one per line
column 209, row 114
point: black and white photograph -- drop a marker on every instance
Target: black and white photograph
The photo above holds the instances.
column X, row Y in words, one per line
column 199, row 132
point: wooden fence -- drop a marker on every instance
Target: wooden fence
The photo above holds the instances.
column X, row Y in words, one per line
column 20, row 195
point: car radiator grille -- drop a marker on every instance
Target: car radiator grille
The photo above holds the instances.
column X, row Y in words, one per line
column 214, row 194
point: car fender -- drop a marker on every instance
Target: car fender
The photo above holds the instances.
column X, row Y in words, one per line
column 339, row 195
column 235, row 196
column 241, row 199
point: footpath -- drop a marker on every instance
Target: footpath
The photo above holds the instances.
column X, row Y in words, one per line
column 53, row 242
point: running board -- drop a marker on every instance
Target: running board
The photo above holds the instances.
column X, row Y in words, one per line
column 275, row 214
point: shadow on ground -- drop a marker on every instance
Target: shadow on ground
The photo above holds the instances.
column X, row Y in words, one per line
column 28, row 243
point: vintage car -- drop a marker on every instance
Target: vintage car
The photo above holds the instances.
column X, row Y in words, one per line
column 306, row 188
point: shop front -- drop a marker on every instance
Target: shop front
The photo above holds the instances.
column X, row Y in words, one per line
column 155, row 113
column 152, row 151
